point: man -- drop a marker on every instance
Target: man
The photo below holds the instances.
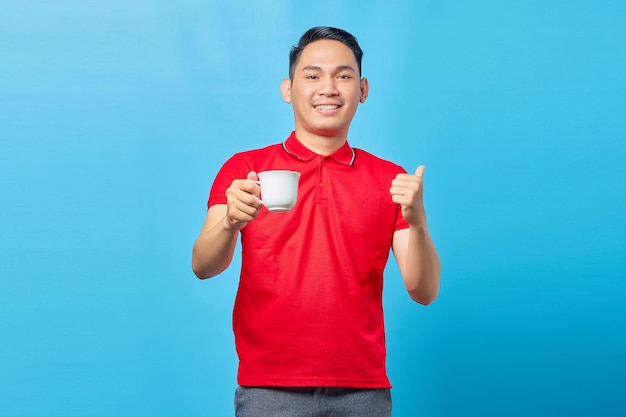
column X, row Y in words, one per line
column 308, row 317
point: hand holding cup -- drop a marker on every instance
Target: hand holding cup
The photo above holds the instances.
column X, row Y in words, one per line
column 242, row 201
column 277, row 190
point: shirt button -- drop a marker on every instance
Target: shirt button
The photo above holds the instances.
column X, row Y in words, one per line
column 322, row 185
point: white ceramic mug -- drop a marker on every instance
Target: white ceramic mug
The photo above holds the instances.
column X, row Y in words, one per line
column 279, row 189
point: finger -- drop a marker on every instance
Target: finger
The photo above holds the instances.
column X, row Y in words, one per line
column 398, row 197
column 250, row 200
column 238, row 219
column 245, row 212
column 256, row 190
column 404, row 181
column 410, row 183
column 402, row 189
column 244, row 192
column 249, row 185
column 240, row 213
column 402, row 200
column 419, row 173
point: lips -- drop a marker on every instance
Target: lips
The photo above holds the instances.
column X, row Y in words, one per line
column 326, row 107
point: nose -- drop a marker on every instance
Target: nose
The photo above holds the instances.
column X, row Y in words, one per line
column 328, row 87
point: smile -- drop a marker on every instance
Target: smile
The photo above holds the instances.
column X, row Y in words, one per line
column 326, row 107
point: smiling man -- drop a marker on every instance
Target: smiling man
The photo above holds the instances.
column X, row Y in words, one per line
column 308, row 319
column 325, row 89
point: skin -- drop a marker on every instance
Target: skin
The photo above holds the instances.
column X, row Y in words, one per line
column 326, row 74
column 324, row 92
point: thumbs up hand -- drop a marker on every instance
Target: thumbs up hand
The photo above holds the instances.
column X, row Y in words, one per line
column 408, row 191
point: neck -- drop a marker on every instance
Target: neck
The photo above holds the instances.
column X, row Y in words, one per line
column 321, row 144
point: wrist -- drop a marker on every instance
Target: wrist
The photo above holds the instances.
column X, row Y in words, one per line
column 230, row 226
column 418, row 221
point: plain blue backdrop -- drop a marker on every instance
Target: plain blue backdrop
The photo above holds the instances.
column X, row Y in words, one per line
column 116, row 115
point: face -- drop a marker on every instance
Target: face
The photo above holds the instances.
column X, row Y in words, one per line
column 325, row 90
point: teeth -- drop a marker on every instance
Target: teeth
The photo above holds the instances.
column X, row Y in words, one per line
column 326, row 107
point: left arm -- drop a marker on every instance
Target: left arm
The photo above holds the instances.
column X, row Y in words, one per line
column 413, row 248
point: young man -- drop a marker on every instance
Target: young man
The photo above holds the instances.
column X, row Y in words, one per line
column 308, row 317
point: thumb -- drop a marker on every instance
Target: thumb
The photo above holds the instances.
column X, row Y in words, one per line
column 252, row 175
column 419, row 172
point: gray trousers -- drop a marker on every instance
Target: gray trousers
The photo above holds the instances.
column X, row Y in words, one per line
column 312, row 402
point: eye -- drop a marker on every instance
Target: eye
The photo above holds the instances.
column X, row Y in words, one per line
column 344, row 77
column 311, row 77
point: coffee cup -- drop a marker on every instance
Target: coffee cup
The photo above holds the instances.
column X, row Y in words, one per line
column 279, row 189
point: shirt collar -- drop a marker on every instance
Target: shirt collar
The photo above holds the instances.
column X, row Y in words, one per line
column 344, row 155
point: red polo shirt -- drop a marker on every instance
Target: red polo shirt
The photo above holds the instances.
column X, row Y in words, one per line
column 308, row 310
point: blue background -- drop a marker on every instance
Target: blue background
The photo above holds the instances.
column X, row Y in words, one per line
column 115, row 116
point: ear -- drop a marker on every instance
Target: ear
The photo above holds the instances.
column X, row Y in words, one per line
column 285, row 90
column 364, row 89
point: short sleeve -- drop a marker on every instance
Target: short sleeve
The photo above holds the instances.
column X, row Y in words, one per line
column 236, row 167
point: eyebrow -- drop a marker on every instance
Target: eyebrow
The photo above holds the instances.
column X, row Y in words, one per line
column 338, row 68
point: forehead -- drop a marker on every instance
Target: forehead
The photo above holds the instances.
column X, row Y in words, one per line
column 327, row 52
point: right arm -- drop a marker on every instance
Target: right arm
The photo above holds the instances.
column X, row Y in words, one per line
column 213, row 250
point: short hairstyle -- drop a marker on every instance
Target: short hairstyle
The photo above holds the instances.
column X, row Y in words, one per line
column 324, row 33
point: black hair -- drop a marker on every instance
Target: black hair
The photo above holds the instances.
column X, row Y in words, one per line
column 321, row 33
